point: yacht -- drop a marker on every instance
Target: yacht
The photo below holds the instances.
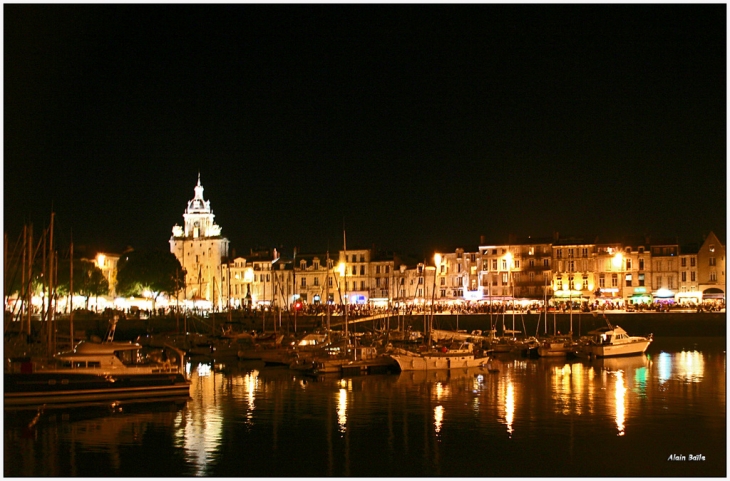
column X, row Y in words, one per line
column 95, row 373
column 611, row 341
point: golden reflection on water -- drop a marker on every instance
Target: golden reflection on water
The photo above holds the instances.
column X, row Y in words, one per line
column 251, row 381
column 620, row 396
column 690, row 366
column 441, row 391
column 438, row 417
column 509, row 406
column 686, row 366
column 342, row 409
column 562, row 388
column 202, row 428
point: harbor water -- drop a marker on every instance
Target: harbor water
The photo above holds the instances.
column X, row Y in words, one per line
column 661, row 414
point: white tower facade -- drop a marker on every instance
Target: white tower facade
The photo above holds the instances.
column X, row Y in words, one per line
column 201, row 250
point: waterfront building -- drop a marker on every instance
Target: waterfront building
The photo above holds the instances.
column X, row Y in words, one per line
column 664, row 269
column 262, row 286
column 353, row 275
column 237, row 278
column 382, row 271
column 262, row 278
column 711, row 269
column 637, row 267
column 456, row 276
column 315, row 283
column 688, row 291
column 607, row 273
column 107, row 263
column 531, row 268
column 282, row 270
column 574, row 269
column 413, row 287
column 496, row 263
column 201, row 249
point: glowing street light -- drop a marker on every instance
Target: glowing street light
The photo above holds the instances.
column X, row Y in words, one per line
column 617, row 261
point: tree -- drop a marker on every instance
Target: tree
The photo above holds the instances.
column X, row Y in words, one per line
column 88, row 280
column 154, row 270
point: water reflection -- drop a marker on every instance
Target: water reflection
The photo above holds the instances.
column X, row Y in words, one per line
column 690, row 366
column 397, row 425
column 438, row 417
column 686, row 366
column 342, row 409
column 620, row 402
column 509, row 402
column 201, row 430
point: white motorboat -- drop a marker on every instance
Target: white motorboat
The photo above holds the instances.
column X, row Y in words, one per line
column 94, row 373
column 458, row 356
column 612, row 341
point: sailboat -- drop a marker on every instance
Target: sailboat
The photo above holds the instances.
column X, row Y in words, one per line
column 558, row 345
column 459, row 355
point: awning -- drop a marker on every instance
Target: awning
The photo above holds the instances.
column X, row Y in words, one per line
column 642, row 295
column 713, row 293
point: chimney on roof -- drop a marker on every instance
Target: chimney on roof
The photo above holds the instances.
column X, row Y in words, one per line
column 556, row 235
column 481, row 240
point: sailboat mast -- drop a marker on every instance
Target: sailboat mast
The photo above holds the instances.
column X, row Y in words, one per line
column 344, row 246
column 570, row 299
column 327, row 291
column 52, row 280
column 71, row 293
column 23, row 271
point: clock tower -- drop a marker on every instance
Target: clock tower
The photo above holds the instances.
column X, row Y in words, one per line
column 201, row 250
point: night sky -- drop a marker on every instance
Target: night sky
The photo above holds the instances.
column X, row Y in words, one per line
column 414, row 126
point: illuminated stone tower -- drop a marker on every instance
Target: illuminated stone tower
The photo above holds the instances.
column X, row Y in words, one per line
column 201, row 250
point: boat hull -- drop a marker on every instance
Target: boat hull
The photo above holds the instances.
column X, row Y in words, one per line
column 48, row 390
column 553, row 352
column 428, row 363
column 614, row 350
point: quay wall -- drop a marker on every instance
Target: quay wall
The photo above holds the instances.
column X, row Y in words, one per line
column 684, row 324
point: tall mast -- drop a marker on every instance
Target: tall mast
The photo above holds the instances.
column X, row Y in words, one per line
column 228, row 299
column 22, row 274
column 52, row 285
column 344, row 246
column 327, row 291
column 5, row 271
column 71, row 292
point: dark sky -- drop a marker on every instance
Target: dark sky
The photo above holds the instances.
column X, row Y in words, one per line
column 415, row 126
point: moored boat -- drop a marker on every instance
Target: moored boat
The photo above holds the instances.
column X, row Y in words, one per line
column 455, row 357
column 557, row 346
column 612, row 341
column 95, row 373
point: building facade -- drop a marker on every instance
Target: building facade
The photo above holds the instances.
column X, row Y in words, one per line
column 711, row 268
